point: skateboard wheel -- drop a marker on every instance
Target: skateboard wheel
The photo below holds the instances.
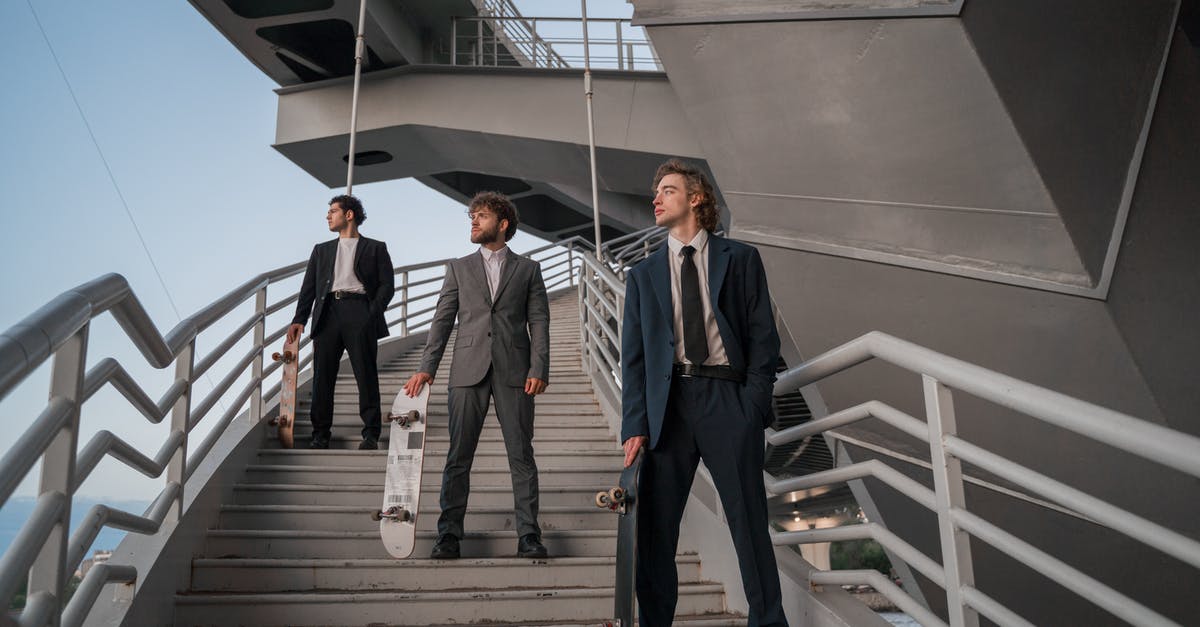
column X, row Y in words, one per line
column 376, row 515
column 413, row 416
column 404, row 516
column 616, row 495
column 276, row 356
column 602, row 499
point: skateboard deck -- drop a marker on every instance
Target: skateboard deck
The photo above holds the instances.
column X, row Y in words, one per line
column 286, row 421
column 402, row 483
column 623, row 501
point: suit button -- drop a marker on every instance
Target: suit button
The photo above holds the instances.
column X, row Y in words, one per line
column 666, row 376
column 489, row 334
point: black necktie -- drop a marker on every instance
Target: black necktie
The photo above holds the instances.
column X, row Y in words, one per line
column 695, row 340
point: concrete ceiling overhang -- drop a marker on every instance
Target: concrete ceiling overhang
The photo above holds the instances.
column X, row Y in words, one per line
column 921, row 142
column 397, row 34
column 516, row 124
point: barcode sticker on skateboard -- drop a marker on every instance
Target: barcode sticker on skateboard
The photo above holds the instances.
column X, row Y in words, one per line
column 416, row 440
column 399, row 499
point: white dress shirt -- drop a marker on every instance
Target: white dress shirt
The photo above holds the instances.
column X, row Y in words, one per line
column 716, row 348
column 493, row 264
column 344, row 278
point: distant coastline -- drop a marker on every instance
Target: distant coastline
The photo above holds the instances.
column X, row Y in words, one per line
column 18, row 508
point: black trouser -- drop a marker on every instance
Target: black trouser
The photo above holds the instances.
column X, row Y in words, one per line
column 468, row 408
column 705, row 420
column 345, row 326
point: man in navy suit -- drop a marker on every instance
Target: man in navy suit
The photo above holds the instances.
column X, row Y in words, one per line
column 698, row 355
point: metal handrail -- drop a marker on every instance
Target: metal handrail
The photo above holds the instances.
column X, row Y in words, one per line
column 940, row 374
column 60, row 330
column 518, row 35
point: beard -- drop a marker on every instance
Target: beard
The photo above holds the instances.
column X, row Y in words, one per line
column 486, row 236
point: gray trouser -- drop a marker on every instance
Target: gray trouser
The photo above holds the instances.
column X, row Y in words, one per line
column 468, row 408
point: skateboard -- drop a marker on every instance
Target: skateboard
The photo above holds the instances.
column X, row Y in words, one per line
column 402, row 483
column 622, row 500
column 286, row 420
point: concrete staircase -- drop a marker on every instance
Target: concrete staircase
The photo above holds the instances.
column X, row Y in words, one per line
column 297, row 546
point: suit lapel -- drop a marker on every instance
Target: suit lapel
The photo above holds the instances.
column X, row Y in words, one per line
column 660, row 278
column 475, row 269
column 358, row 253
column 510, row 266
column 718, row 263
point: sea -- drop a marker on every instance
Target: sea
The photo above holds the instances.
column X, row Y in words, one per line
column 17, row 510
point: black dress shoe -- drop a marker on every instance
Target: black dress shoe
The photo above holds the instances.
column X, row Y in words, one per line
column 446, row 548
column 530, row 545
column 319, row 442
column 368, row 444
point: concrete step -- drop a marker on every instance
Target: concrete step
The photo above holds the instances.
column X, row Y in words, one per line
column 550, row 397
column 349, row 409
column 548, row 475
column 372, row 496
column 487, row 442
column 416, row 575
column 377, row 459
column 404, row 607
column 491, row 432
column 547, row 417
column 358, row 518
column 311, row 544
column 390, row 388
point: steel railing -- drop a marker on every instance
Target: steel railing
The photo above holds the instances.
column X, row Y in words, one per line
column 601, row 296
column 501, row 36
column 956, row 524
column 42, row 553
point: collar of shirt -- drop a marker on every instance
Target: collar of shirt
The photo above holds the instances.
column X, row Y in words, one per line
column 490, row 256
column 698, row 242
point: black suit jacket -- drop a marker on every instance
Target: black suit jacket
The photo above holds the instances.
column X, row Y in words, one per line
column 372, row 266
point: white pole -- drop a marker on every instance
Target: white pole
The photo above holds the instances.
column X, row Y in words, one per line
column 358, row 57
column 587, row 89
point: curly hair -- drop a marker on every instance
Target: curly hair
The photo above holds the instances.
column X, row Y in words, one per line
column 706, row 212
column 500, row 205
column 350, row 203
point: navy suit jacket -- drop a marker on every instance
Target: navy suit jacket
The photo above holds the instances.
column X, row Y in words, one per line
column 741, row 303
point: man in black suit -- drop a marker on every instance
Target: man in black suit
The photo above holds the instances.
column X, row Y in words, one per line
column 351, row 281
column 698, row 354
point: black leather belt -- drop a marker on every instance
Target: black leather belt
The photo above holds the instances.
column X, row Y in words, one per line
column 711, row 372
column 344, row 295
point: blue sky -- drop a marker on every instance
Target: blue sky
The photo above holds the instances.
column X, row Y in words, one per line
column 185, row 123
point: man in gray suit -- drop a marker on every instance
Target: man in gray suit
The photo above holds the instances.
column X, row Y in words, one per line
column 502, row 352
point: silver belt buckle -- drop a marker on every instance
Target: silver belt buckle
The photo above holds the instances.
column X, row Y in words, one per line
column 337, row 294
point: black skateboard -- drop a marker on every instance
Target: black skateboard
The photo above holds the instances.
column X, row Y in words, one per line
column 622, row 500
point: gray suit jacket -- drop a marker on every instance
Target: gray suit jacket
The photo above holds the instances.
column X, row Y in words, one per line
column 511, row 335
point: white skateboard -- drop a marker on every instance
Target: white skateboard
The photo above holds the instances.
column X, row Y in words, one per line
column 402, row 484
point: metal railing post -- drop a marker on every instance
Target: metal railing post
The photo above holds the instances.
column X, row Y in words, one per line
column 948, row 493
column 620, row 58
column 404, row 304
column 180, row 416
column 533, row 38
column 454, row 41
column 478, row 42
column 49, row 571
column 256, row 367
column 571, row 265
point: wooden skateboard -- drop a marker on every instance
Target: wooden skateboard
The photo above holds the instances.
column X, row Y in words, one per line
column 622, row 500
column 402, row 483
column 286, row 420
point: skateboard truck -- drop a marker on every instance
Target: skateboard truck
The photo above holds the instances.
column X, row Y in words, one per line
column 405, row 419
column 393, row 513
column 279, row 421
column 614, row 499
column 286, row 357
